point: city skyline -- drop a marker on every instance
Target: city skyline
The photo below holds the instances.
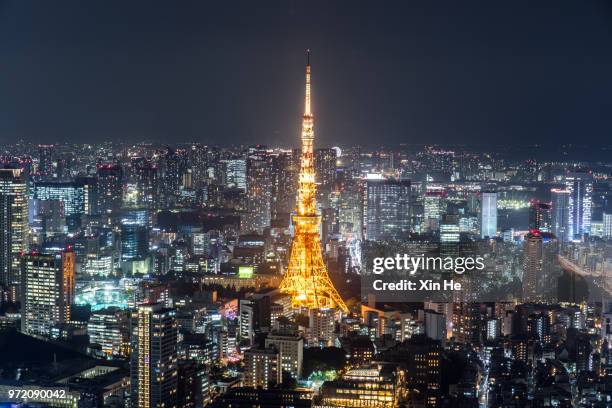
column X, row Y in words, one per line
column 447, row 242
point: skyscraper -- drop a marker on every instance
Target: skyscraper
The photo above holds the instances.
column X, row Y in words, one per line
column 488, row 214
column 259, row 193
column 47, row 291
column 387, row 209
column 432, row 210
column 607, row 225
column 236, row 173
column 560, row 214
column 154, row 357
column 325, row 168
column 110, row 190
column 147, row 181
column 285, row 177
column 540, row 216
column 307, row 280
column 580, row 186
column 134, row 241
column 45, row 161
column 450, row 235
column 539, row 270
column 13, row 225
column 172, row 169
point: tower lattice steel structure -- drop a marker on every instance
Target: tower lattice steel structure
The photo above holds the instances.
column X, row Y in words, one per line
column 307, row 280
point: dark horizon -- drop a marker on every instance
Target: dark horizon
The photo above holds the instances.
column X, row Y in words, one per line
column 476, row 74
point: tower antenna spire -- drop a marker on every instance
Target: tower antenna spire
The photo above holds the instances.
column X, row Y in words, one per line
column 307, row 110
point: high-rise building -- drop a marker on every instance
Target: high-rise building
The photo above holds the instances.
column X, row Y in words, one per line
column 285, row 167
column 540, row 216
column 432, row 210
column 307, row 280
column 540, row 266
column 154, row 357
column 321, row 331
column 560, row 214
column 99, row 263
column 254, row 317
column 488, row 214
column 580, row 186
column 13, row 226
column 290, row 347
column 46, row 168
column 325, row 168
column 46, row 218
column 450, row 235
column 172, row 168
column 435, row 325
column 134, row 234
column 109, row 329
column 134, row 241
column 259, row 193
column 47, row 291
column 197, row 159
column 423, row 371
column 350, row 212
column 78, row 197
column 110, row 190
column 236, row 173
column 386, row 209
column 262, row 367
column 146, row 176
column 607, row 225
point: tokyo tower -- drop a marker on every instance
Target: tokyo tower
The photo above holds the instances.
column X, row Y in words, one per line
column 307, row 280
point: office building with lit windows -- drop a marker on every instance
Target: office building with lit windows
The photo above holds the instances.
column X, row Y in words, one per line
column 423, row 370
column 607, row 225
column 321, row 331
column 325, row 167
column 259, row 194
column 560, row 214
column 110, row 190
column 386, row 209
column 262, row 367
column 134, row 241
column 154, row 357
column 236, row 173
column 580, row 187
column 109, row 329
column 13, row 226
column 540, row 216
column 78, row 197
column 47, row 291
column 540, row 266
column 488, row 214
column 433, row 208
column 290, row 347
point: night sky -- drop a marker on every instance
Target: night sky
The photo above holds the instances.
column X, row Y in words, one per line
column 384, row 72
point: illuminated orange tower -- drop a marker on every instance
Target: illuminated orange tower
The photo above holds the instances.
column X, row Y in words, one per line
column 307, row 280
